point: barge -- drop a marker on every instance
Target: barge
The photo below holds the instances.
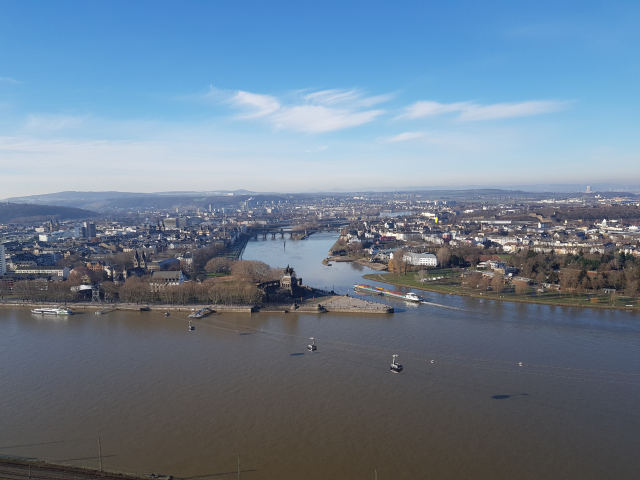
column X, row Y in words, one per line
column 411, row 297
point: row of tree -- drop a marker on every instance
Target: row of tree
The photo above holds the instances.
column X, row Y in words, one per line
column 248, row 270
column 139, row 290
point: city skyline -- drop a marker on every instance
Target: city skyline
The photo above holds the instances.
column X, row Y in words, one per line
column 198, row 97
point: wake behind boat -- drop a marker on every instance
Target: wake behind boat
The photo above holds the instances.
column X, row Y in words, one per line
column 411, row 297
column 52, row 311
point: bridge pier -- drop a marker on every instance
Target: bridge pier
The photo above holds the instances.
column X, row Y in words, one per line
column 273, row 235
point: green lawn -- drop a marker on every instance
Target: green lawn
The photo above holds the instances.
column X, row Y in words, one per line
column 451, row 284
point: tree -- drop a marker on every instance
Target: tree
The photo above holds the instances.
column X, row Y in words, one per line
column 110, row 290
column 497, row 284
column 202, row 255
column 398, row 264
column 522, row 288
column 443, row 254
column 123, row 260
column 255, row 271
column 219, row 265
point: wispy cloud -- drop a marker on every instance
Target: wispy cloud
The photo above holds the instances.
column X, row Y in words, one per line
column 9, row 80
column 469, row 111
column 316, row 112
column 319, row 119
column 52, row 123
column 317, row 149
column 257, row 105
column 403, row 137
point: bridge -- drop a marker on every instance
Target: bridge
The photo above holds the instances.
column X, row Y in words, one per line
column 275, row 230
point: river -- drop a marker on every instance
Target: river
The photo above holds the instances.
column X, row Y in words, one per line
column 490, row 390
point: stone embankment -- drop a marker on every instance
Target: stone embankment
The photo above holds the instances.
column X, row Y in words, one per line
column 347, row 304
column 93, row 307
column 332, row 304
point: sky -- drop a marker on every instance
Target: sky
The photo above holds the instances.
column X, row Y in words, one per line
column 151, row 96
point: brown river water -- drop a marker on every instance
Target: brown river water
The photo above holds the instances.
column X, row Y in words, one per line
column 167, row 400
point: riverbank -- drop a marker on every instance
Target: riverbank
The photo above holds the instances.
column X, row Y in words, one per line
column 451, row 287
column 361, row 261
column 316, row 304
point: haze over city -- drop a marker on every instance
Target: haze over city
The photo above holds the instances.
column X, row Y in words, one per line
column 284, row 96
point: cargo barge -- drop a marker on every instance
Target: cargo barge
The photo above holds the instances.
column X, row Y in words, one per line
column 411, row 297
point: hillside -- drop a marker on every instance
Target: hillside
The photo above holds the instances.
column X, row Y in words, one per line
column 25, row 213
column 106, row 200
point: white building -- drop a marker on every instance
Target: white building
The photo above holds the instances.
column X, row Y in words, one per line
column 422, row 259
column 3, row 261
column 60, row 272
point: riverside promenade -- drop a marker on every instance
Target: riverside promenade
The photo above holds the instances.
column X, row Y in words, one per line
column 320, row 304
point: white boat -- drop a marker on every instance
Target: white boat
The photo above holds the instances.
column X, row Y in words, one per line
column 52, row 311
column 312, row 346
column 412, row 297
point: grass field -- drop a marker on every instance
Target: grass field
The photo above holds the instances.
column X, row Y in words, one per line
column 451, row 285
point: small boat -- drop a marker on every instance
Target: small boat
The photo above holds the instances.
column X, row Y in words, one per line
column 52, row 311
column 167, row 314
column 312, row 346
column 395, row 367
column 106, row 310
column 411, row 297
column 145, row 309
column 191, row 327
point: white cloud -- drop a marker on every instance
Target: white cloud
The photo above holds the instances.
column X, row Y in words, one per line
column 332, row 97
column 346, row 98
column 258, row 105
column 317, row 149
column 52, row 123
column 469, row 111
column 319, row 119
column 428, row 109
column 317, row 112
column 403, row 137
column 510, row 110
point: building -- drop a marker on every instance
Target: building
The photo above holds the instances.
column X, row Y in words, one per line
column 29, row 272
column 90, row 230
column 139, row 260
column 95, row 266
column 422, row 259
column 3, row 261
column 162, row 280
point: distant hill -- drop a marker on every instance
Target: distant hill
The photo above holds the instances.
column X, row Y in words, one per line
column 109, row 200
column 25, row 213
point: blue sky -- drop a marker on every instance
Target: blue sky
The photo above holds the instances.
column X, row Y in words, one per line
column 297, row 96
